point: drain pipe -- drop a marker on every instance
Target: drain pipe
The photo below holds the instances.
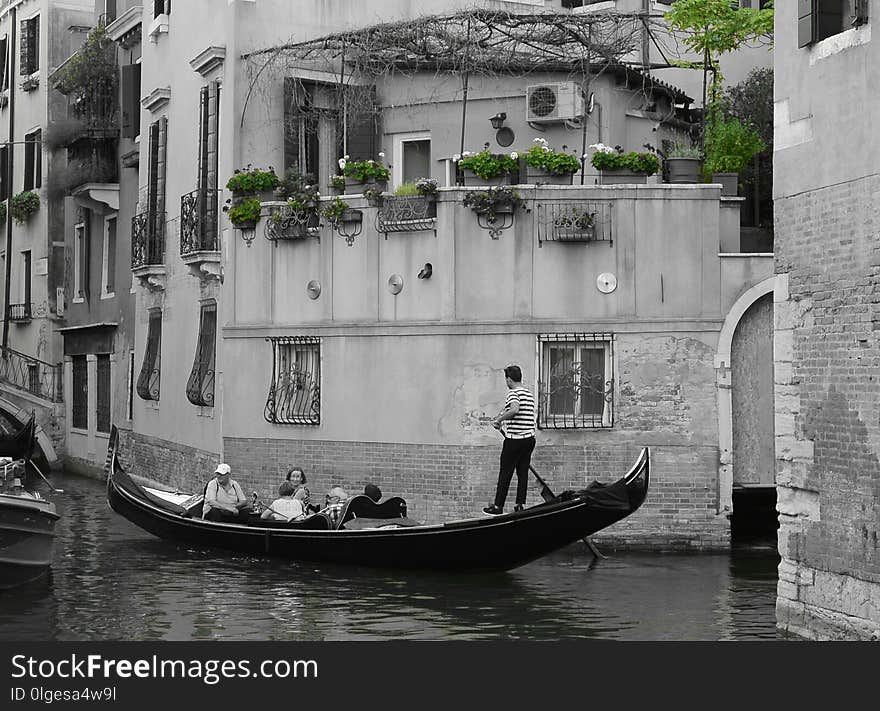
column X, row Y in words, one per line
column 10, row 148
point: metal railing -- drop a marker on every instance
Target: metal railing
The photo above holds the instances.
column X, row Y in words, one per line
column 574, row 221
column 148, row 239
column 406, row 213
column 31, row 374
column 198, row 222
column 21, row 312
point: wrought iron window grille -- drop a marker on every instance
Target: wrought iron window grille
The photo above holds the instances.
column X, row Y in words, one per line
column 198, row 222
column 574, row 221
column 295, row 392
column 148, row 380
column 147, row 239
column 406, row 213
column 285, row 223
column 200, row 386
column 576, row 383
column 21, row 312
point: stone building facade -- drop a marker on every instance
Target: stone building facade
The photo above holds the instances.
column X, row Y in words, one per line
column 827, row 350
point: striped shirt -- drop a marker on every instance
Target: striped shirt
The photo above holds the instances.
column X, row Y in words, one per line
column 523, row 423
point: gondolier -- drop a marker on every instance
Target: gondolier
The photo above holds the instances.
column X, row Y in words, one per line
column 517, row 421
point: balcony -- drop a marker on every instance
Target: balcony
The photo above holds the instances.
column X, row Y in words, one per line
column 20, row 313
column 199, row 233
column 31, row 374
column 148, row 248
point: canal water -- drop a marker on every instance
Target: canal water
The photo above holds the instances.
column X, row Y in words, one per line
column 112, row 581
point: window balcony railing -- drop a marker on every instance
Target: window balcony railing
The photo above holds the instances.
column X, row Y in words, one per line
column 148, row 239
column 198, row 222
column 573, row 221
column 20, row 312
column 31, row 374
column 406, row 213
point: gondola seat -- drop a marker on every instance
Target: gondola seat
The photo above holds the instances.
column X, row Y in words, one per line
column 315, row 522
column 362, row 506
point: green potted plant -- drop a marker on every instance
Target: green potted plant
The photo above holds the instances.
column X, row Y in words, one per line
column 545, row 165
column 494, row 207
column 413, row 207
column 337, row 210
column 365, row 174
column 253, row 182
column 575, row 224
column 682, row 163
column 245, row 213
column 337, row 184
column 23, row 205
column 3, row 213
column 487, row 168
column 617, row 167
column 730, row 145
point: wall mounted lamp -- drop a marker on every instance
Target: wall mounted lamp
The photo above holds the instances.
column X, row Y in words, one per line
column 498, row 119
column 426, row 271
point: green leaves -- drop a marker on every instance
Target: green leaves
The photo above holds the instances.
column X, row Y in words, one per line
column 646, row 163
column 730, row 145
column 23, row 205
column 714, row 27
column 252, row 180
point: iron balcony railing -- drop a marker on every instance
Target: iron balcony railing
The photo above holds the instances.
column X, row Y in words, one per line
column 198, row 222
column 148, row 239
column 20, row 312
column 31, row 374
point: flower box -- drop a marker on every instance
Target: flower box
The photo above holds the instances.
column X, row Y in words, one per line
column 575, row 234
column 683, row 170
column 471, row 179
column 621, row 176
column 356, row 186
column 537, row 176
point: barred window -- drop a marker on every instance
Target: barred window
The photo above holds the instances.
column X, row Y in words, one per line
column 102, row 392
column 200, row 387
column 576, row 386
column 80, row 399
column 295, row 393
column 148, row 380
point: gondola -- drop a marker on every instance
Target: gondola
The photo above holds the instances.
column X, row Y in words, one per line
column 381, row 535
column 19, row 444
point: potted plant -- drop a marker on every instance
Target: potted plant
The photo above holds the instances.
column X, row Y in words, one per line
column 23, row 205
column 245, row 213
column 253, row 182
column 337, row 210
column 337, row 184
column 494, row 207
column 544, row 165
column 615, row 166
column 575, row 224
column 413, row 207
column 486, row 168
column 365, row 174
column 683, row 163
column 730, row 145
column 3, row 213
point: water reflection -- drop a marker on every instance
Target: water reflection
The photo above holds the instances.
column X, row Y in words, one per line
column 112, row 581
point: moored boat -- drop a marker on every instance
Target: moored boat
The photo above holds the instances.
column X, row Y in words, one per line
column 27, row 535
column 381, row 535
column 19, row 444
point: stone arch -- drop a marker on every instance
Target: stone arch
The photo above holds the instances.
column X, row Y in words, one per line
column 15, row 412
column 723, row 387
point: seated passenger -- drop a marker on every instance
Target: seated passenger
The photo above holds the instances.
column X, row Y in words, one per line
column 297, row 477
column 224, row 499
column 373, row 492
column 286, row 507
column 335, row 502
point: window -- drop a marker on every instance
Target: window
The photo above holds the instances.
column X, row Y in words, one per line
column 820, row 19
column 81, row 261
column 412, row 157
column 130, row 405
column 33, row 378
column 161, row 7
column 295, row 392
column 4, row 57
column 102, row 393
column 29, row 59
column 80, row 400
column 109, row 12
column 200, row 387
column 26, row 280
column 148, row 380
column 108, row 261
column 33, row 160
column 209, row 116
column 131, row 101
column 576, row 386
column 5, row 187
column 156, row 185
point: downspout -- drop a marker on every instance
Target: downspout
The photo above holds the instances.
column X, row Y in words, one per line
column 10, row 145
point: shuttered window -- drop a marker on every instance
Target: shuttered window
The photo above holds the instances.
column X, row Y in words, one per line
column 102, row 393
column 200, row 387
column 4, row 56
column 4, row 173
column 80, row 394
column 209, row 118
column 148, row 380
column 156, row 185
column 131, row 100
column 29, row 55
column 33, row 160
column 820, row 19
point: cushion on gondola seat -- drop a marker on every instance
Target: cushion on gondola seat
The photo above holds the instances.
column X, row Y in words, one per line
column 362, row 506
column 357, row 524
column 315, row 522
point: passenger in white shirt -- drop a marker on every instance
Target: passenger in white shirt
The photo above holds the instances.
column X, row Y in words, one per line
column 286, row 508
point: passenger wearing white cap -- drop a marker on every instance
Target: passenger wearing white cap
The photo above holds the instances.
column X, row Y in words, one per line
column 224, row 499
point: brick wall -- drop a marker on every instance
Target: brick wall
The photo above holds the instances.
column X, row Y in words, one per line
column 828, row 410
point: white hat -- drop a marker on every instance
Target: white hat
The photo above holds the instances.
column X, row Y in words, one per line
column 223, row 469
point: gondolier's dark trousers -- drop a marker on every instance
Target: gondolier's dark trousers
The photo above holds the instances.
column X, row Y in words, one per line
column 516, row 455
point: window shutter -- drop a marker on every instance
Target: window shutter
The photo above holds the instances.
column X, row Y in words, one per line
column 34, row 42
column 4, row 56
column 28, row 162
column 131, row 106
column 24, row 44
column 4, row 168
column 85, row 253
column 806, row 22
column 202, row 181
column 111, row 254
column 38, row 158
column 161, row 162
column 860, row 12
column 153, row 175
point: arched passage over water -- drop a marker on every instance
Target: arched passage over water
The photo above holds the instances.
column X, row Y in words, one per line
column 13, row 416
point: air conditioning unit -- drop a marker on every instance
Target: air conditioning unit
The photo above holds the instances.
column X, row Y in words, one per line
column 552, row 103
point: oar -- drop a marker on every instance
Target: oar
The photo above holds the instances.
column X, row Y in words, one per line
column 48, row 483
column 548, row 496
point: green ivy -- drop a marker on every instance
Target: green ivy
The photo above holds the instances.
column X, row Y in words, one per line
column 252, row 180
column 24, row 205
